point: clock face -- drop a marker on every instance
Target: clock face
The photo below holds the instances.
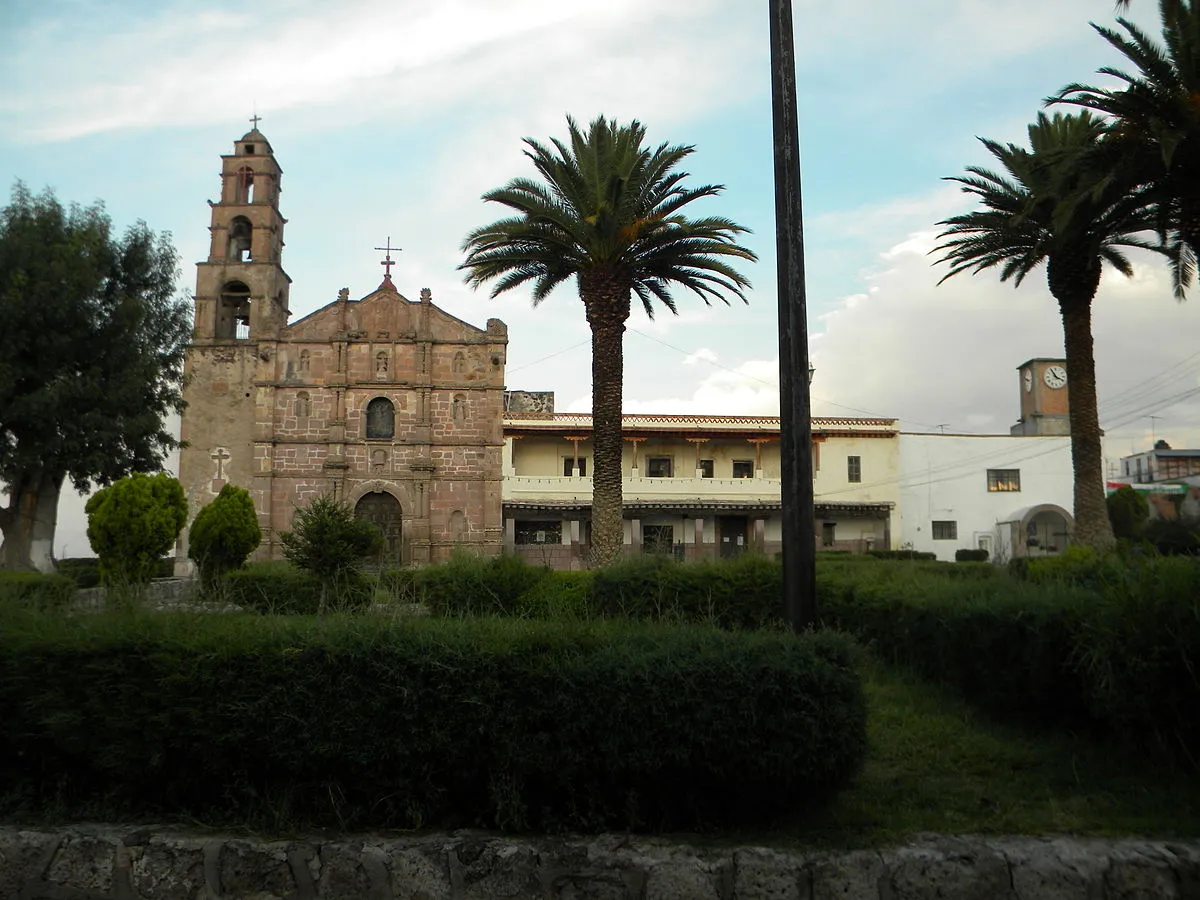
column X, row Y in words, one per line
column 1055, row 377
column 1028, row 379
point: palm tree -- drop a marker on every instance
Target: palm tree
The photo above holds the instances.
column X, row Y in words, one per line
column 1025, row 222
column 1153, row 123
column 607, row 214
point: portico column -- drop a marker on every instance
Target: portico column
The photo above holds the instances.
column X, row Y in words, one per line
column 510, row 533
column 633, row 473
column 698, row 442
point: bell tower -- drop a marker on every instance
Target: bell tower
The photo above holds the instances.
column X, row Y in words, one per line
column 241, row 315
column 242, row 290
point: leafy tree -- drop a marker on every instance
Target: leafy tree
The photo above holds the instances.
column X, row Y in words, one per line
column 224, row 533
column 328, row 540
column 133, row 523
column 92, row 343
column 1024, row 222
column 1128, row 511
column 607, row 214
column 1153, row 125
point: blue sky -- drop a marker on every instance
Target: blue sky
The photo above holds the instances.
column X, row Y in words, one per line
column 391, row 118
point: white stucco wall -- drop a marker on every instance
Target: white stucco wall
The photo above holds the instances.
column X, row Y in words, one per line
column 943, row 477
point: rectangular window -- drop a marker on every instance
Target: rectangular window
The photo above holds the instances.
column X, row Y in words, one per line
column 580, row 465
column 658, row 467
column 1004, row 480
column 706, row 468
column 743, row 468
column 854, row 469
column 658, row 538
column 533, row 532
column 827, row 533
column 945, row 531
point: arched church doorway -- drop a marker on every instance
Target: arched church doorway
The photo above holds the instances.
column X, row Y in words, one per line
column 383, row 511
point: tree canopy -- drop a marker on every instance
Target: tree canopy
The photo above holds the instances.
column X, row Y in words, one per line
column 92, row 341
column 608, row 213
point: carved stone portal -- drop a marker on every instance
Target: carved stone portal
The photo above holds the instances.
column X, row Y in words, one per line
column 383, row 510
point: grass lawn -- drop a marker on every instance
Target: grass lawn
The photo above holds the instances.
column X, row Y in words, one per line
column 938, row 765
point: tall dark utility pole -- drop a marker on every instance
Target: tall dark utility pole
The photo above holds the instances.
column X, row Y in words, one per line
column 795, row 408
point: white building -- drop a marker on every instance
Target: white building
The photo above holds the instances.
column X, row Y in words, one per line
column 1005, row 494
column 695, row 486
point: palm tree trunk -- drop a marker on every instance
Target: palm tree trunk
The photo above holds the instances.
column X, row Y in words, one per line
column 1092, row 526
column 607, row 303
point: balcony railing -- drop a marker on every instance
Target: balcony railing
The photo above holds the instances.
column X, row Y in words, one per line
column 567, row 487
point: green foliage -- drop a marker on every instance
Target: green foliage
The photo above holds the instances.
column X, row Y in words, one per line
column 92, row 340
column 279, row 588
column 1090, row 640
column 132, row 523
column 36, row 591
column 901, row 554
column 224, row 533
column 966, row 554
column 743, row 592
column 471, row 585
column 737, row 593
column 609, row 213
column 83, row 570
column 1076, row 565
column 329, row 541
column 1128, row 511
column 349, row 723
column 1173, row 537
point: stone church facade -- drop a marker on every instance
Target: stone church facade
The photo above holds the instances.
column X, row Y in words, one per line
column 392, row 405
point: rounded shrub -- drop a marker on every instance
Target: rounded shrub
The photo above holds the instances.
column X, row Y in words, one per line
column 132, row 523
column 224, row 534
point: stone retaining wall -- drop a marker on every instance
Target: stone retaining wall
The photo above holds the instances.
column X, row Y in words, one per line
column 94, row 862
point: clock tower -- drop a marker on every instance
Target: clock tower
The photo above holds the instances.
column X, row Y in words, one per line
column 1045, row 398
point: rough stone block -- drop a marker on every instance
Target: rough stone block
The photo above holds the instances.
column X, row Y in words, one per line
column 1187, row 869
column 760, row 874
column 1140, row 871
column 849, row 875
column 255, row 871
column 682, row 878
column 342, row 874
column 1055, row 869
column 949, row 867
column 168, row 868
column 23, row 858
column 84, row 862
column 420, row 872
column 487, row 869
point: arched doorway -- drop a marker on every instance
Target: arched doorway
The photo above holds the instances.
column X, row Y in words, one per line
column 383, row 510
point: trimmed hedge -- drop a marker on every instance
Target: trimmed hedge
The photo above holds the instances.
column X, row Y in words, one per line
column 280, row 588
column 966, row 554
column 901, row 554
column 431, row 723
column 35, row 590
column 1005, row 645
column 737, row 593
column 85, row 570
column 1090, row 642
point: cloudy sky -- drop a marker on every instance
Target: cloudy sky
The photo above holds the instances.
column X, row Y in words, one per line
column 390, row 119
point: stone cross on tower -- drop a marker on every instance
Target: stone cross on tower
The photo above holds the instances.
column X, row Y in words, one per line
column 254, row 120
column 220, row 456
column 387, row 263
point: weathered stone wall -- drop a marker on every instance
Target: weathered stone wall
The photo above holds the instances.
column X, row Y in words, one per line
column 90, row 863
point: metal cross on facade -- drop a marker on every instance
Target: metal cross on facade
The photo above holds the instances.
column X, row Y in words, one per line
column 388, row 262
